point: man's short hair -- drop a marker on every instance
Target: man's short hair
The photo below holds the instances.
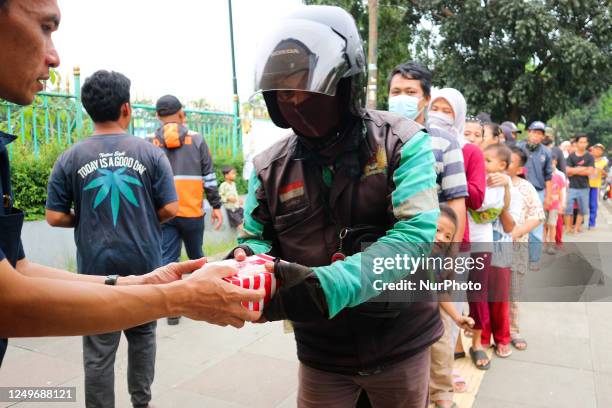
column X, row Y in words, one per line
column 583, row 135
column 227, row 169
column 103, row 94
column 413, row 70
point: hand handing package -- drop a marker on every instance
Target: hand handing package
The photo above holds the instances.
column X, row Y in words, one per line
column 252, row 274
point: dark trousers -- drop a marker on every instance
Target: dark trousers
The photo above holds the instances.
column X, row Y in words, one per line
column 179, row 230
column 593, row 203
column 401, row 385
column 3, row 347
column 99, row 361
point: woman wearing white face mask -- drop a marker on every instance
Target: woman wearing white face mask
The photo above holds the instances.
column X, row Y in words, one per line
column 447, row 111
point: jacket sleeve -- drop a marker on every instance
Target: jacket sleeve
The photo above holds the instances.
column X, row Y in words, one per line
column 209, row 177
column 351, row 282
column 256, row 232
column 476, row 177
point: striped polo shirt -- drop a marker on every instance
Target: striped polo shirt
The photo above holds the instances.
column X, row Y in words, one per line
column 450, row 172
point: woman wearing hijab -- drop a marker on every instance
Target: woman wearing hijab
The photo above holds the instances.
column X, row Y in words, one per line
column 447, row 111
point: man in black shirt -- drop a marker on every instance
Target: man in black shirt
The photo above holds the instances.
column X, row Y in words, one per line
column 121, row 188
column 580, row 165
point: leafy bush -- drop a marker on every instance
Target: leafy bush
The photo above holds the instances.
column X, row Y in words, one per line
column 30, row 176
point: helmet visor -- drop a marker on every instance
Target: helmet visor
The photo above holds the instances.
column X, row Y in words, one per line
column 301, row 56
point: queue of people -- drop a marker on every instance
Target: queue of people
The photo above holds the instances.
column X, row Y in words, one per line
column 424, row 177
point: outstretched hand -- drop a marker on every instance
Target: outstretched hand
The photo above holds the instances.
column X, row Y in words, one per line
column 172, row 272
column 216, row 301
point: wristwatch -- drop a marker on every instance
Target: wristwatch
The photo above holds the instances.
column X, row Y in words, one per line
column 111, row 280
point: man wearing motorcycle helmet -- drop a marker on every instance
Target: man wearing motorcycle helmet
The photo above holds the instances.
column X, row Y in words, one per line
column 345, row 176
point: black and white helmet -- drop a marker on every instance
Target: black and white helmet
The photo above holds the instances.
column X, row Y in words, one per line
column 312, row 50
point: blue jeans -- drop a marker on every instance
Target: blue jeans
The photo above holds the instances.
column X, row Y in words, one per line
column 535, row 237
column 593, row 202
column 179, row 230
column 579, row 196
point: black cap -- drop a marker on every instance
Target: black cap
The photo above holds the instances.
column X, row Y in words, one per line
column 168, row 105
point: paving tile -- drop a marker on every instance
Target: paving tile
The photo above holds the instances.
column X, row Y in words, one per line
column 556, row 350
column 188, row 399
column 488, row 402
column 289, row 402
column 548, row 324
column 248, row 379
column 35, row 369
column 526, row 383
column 603, row 389
column 276, row 344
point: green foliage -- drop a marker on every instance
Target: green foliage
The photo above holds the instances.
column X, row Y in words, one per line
column 518, row 59
column 594, row 119
column 30, row 176
column 513, row 58
column 236, row 162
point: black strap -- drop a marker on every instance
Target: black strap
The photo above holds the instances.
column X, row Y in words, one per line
column 5, row 175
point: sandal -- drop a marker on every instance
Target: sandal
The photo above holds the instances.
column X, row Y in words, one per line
column 498, row 353
column 480, row 355
column 458, row 379
column 519, row 343
column 460, row 354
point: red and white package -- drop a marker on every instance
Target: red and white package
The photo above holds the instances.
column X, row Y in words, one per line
column 252, row 274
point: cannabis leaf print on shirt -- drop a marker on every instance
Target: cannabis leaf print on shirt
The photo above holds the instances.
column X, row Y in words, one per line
column 116, row 183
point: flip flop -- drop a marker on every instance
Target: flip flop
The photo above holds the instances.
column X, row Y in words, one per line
column 500, row 355
column 460, row 354
column 519, row 340
column 480, row 355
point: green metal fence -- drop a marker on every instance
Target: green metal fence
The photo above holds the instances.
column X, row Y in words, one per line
column 56, row 117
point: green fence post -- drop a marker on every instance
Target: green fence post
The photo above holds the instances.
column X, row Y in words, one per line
column 22, row 117
column 10, row 130
column 35, row 132
column 58, row 120
column 46, row 107
column 77, row 94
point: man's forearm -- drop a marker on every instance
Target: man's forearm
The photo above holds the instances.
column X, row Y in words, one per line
column 34, row 270
column 76, row 308
column 62, row 220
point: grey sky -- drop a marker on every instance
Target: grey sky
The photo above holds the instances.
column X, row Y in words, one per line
column 179, row 47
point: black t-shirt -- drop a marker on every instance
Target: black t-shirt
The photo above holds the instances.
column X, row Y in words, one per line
column 116, row 184
column 574, row 160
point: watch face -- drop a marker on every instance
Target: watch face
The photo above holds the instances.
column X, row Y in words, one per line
column 111, row 279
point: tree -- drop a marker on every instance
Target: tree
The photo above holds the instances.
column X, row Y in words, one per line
column 594, row 119
column 512, row 58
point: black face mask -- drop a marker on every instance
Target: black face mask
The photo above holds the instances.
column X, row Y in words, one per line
column 316, row 117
